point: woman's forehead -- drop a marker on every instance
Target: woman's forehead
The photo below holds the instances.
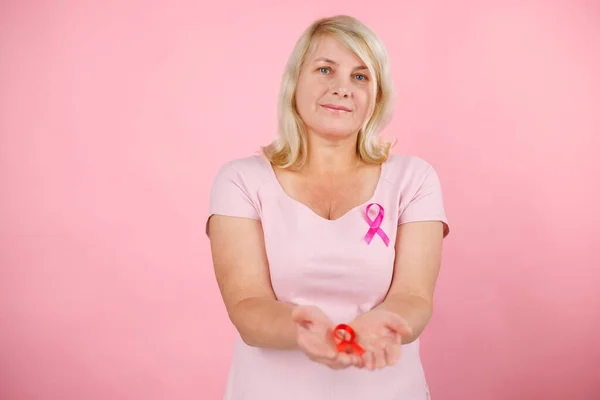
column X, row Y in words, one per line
column 331, row 49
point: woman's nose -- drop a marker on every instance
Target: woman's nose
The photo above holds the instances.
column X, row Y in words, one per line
column 341, row 91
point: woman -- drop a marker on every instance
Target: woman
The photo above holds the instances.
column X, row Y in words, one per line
column 325, row 227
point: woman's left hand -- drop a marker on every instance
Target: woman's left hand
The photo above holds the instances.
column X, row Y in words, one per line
column 380, row 334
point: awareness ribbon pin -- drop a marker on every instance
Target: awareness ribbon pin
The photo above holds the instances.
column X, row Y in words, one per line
column 345, row 334
column 375, row 225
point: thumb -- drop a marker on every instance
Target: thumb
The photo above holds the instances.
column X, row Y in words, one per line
column 304, row 315
column 399, row 325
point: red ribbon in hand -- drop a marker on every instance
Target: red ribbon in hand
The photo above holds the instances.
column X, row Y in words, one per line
column 345, row 334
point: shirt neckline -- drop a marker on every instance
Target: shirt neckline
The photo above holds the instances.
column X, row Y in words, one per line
column 298, row 203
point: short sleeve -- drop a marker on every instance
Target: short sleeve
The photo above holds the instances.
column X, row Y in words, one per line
column 231, row 195
column 427, row 203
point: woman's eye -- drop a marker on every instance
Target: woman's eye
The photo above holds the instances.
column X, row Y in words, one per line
column 324, row 70
column 361, row 77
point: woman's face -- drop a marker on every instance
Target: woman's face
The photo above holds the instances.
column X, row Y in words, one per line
column 334, row 90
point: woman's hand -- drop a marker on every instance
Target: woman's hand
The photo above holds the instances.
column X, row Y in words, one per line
column 314, row 335
column 380, row 334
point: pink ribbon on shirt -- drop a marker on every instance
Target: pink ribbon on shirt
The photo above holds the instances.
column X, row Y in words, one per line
column 375, row 225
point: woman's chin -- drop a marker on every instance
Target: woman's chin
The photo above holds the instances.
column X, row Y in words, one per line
column 335, row 131
column 330, row 134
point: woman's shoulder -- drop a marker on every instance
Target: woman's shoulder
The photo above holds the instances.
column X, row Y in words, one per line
column 252, row 170
column 411, row 174
column 416, row 184
column 407, row 168
column 249, row 163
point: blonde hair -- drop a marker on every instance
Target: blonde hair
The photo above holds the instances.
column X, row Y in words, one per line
column 289, row 148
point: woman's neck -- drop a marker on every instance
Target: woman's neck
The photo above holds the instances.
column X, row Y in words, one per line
column 331, row 156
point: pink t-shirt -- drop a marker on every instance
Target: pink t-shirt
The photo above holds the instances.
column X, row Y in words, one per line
column 327, row 263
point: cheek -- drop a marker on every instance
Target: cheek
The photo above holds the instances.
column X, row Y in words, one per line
column 363, row 101
column 302, row 90
column 308, row 93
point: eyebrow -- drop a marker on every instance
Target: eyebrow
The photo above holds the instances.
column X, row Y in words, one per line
column 330, row 61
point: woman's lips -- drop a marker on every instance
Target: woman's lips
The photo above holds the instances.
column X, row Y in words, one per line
column 335, row 107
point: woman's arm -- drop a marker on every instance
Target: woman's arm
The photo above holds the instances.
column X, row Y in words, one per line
column 416, row 268
column 242, row 272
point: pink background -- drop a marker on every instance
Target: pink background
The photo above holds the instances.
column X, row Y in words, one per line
column 114, row 117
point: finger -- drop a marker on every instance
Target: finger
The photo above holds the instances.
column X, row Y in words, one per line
column 365, row 361
column 357, row 361
column 336, row 365
column 344, row 359
column 369, row 360
column 380, row 359
column 383, row 355
column 377, row 350
column 333, row 364
column 341, row 361
column 393, row 350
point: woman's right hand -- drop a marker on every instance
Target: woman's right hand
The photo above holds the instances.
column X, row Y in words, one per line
column 314, row 335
